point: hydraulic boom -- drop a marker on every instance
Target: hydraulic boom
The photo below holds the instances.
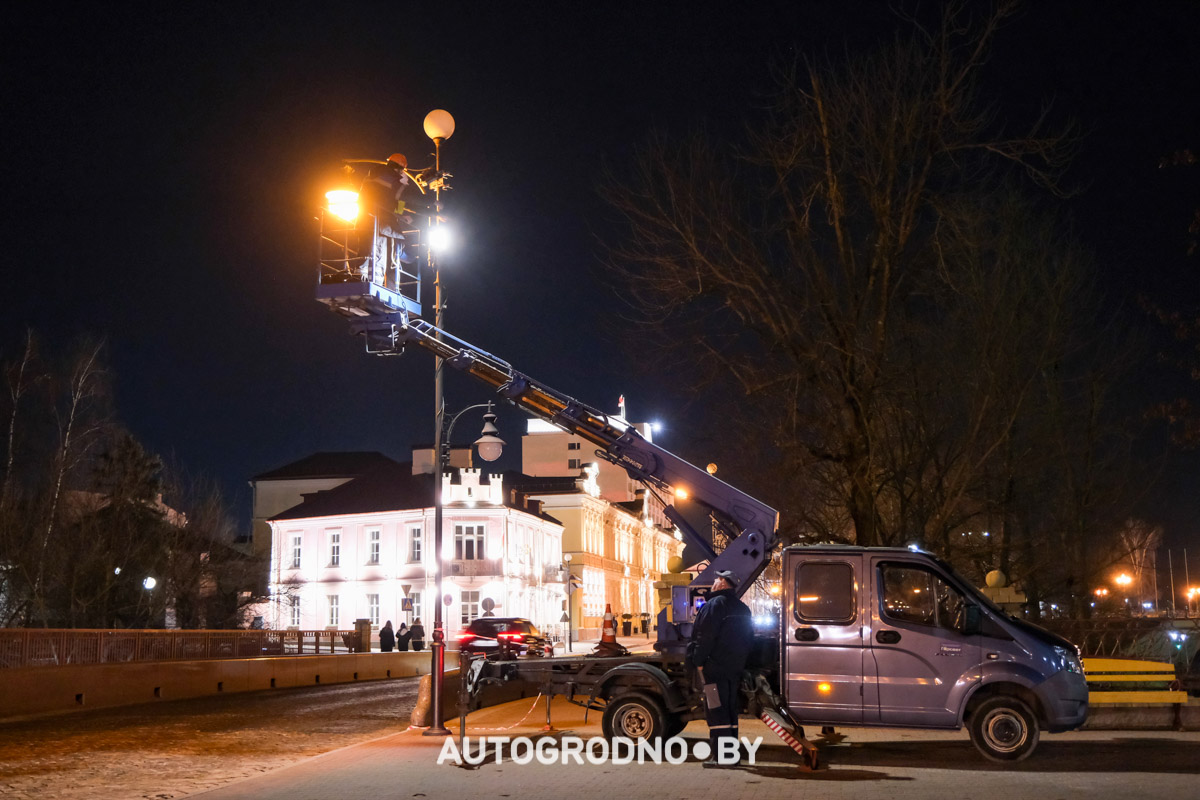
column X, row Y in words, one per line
column 752, row 523
column 364, row 276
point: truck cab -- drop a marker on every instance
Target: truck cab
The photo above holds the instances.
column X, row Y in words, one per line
column 894, row 637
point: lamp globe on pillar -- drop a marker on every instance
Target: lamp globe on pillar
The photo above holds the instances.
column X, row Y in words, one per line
column 439, row 125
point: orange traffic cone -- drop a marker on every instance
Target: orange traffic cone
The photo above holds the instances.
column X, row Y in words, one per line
column 608, row 645
column 609, row 633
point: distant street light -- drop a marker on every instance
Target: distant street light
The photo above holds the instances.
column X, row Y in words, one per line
column 1123, row 581
column 149, row 583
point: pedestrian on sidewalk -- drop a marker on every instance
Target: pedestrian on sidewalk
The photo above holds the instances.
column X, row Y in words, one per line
column 387, row 637
column 402, row 638
column 722, row 637
column 418, row 635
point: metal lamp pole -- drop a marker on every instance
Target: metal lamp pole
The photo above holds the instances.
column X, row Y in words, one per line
column 567, row 558
column 439, row 126
column 490, row 446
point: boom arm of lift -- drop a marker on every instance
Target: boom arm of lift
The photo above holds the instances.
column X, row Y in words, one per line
column 752, row 523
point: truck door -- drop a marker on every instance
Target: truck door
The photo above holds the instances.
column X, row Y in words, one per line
column 923, row 662
column 822, row 624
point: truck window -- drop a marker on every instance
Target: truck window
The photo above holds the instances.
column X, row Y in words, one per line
column 825, row 592
column 916, row 595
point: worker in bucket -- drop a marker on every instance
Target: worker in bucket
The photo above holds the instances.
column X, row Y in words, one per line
column 721, row 640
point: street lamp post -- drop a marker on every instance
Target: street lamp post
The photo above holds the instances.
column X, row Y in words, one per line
column 439, row 126
column 490, row 446
column 567, row 561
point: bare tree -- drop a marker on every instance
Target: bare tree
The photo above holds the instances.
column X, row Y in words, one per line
column 834, row 269
column 79, row 421
column 20, row 379
column 212, row 583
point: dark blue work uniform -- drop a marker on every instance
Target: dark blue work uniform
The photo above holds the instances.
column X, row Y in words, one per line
column 721, row 640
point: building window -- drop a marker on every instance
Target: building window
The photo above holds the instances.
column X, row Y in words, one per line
column 373, row 608
column 593, row 592
column 572, row 445
column 574, row 463
column 416, row 601
column 373, row 546
column 295, row 609
column 414, row 544
column 335, row 549
column 470, row 606
column 333, row 610
column 468, row 542
column 297, row 545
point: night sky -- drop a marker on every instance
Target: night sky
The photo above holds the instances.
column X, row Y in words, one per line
column 164, row 163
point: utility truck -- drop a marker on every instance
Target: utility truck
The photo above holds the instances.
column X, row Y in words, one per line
column 866, row 636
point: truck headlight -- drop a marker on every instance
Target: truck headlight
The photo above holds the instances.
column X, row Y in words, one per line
column 1070, row 659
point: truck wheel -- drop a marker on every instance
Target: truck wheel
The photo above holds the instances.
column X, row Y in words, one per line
column 1003, row 728
column 634, row 716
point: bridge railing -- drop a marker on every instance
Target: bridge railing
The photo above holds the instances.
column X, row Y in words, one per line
column 1149, row 638
column 55, row 647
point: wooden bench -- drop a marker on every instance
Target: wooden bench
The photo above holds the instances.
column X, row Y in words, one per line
column 1126, row 680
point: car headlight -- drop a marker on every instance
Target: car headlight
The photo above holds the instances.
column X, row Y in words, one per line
column 1069, row 658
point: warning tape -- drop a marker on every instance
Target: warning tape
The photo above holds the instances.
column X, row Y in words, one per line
column 518, row 722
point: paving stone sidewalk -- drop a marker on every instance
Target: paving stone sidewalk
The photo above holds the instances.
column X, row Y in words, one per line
column 878, row 763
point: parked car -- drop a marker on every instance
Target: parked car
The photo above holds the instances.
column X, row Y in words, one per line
column 502, row 638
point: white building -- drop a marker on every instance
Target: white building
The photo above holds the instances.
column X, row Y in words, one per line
column 548, row 451
column 614, row 531
column 362, row 548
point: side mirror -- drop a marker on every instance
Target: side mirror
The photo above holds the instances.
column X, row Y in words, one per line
column 972, row 620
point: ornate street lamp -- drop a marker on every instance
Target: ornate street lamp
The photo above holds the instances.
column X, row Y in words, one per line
column 490, row 446
column 567, row 560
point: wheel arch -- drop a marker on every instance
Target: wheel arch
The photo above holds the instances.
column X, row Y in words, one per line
column 1002, row 688
column 637, row 677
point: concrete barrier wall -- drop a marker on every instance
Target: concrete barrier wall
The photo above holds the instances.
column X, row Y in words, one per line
column 41, row 690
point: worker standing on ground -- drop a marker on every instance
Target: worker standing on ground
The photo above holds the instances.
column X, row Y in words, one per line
column 721, row 640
